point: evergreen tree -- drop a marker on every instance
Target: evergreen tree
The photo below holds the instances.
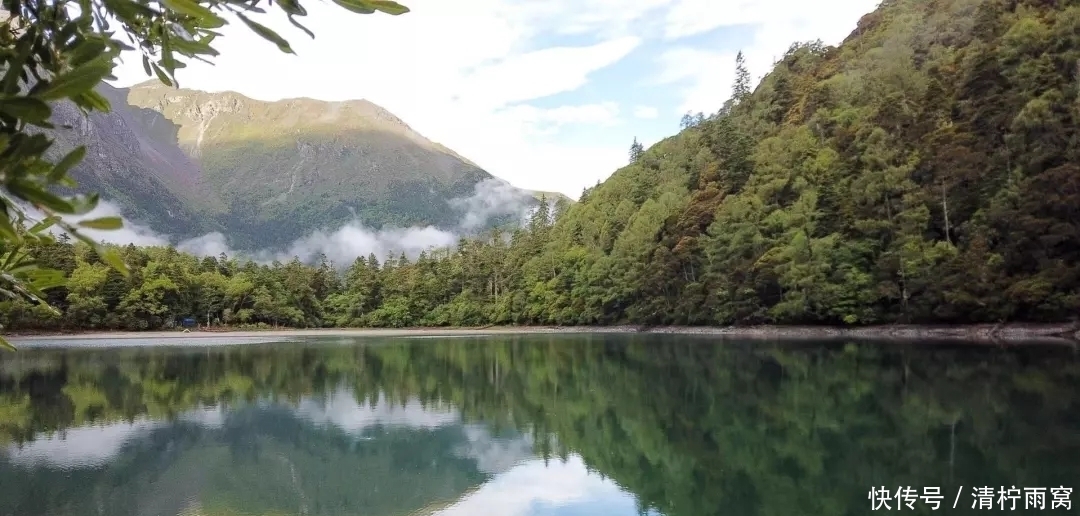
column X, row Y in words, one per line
column 741, row 89
column 636, row 150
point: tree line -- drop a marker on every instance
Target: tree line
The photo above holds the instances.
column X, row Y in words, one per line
column 479, row 282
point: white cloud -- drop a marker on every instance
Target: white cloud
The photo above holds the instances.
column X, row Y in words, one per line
column 691, row 17
column 646, row 112
column 342, row 410
column 210, row 417
column 490, row 198
column 707, row 75
column 532, row 486
column 607, row 18
column 493, row 454
column 353, row 240
column 539, row 74
column 82, row 447
column 131, row 233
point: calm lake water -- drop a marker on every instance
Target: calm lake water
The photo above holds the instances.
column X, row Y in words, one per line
column 529, row 426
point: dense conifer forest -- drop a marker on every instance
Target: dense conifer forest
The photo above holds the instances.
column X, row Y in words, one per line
column 925, row 170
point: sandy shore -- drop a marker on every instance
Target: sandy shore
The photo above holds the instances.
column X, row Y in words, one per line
column 1058, row 333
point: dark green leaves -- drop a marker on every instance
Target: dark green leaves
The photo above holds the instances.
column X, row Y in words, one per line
column 112, row 257
column 87, row 51
column 193, row 9
column 370, row 6
column 77, row 80
column 61, row 169
column 26, row 108
column 388, row 7
column 266, row 34
column 102, row 223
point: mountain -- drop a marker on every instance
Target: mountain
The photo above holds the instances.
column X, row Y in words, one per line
column 266, row 173
column 132, row 160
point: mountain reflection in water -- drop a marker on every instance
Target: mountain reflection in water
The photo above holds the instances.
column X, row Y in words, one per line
column 553, row 425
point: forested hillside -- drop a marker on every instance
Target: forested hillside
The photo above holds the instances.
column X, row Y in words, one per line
column 923, row 171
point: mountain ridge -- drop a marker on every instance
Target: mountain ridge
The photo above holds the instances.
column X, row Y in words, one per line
column 266, row 173
column 382, row 113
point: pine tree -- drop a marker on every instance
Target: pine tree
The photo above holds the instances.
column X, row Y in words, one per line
column 741, row 89
column 686, row 121
column 636, row 149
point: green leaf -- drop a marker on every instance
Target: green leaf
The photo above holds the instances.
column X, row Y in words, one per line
column 7, row 229
column 13, row 258
column 86, row 51
column 388, row 7
column 28, row 109
column 370, row 6
column 292, row 7
column 193, row 47
column 193, row 9
column 83, row 204
column 61, row 169
column 44, row 279
column 113, row 259
column 77, row 81
column 266, row 34
column 296, row 24
column 91, row 100
column 356, row 6
column 102, row 223
column 24, row 47
column 6, row 345
column 161, row 75
column 35, row 194
column 45, row 223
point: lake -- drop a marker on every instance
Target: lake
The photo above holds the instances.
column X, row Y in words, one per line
column 549, row 425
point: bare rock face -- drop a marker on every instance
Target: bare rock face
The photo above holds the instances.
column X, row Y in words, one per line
column 131, row 162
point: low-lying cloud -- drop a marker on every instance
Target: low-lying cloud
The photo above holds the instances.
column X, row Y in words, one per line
column 491, row 199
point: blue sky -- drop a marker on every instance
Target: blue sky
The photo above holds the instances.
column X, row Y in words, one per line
column 545, row 94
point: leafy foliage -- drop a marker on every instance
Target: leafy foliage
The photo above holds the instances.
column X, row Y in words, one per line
column 52, row 51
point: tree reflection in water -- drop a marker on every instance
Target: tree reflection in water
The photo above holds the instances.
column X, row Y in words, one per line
column 688, row 425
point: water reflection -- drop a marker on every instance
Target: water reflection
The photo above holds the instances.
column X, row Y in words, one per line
column 79, row 447
column 554, row 425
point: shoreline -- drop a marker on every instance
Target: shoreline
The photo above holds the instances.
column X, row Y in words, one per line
column 1064, row 333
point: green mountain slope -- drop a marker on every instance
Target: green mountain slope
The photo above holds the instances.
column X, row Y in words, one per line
column 285, row 168
column 924, row 170
column 187, row 163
